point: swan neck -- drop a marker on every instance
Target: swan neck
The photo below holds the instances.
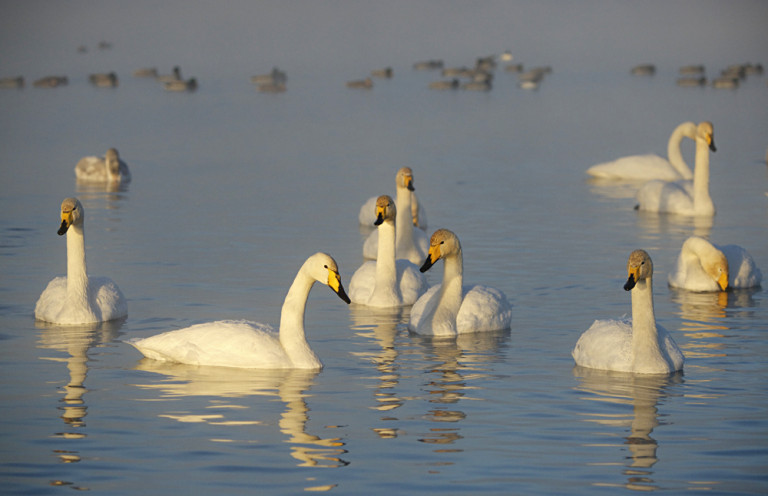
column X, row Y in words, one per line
column 645, row 336
column 292, row 336
column 404, row 218
column 77, row 276
column 674, row 154
column 386, row 272
column 443, row 318
column 701, row 198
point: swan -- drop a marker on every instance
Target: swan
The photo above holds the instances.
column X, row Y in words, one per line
column 78, row 298
column 244, row 344
column 107, row 169
column 387, row 282
column 412, row 244
column 704, row 266
column 684, row 197
column 367, row 215
column 651, row 166
column 640, row 345
column 451, row 308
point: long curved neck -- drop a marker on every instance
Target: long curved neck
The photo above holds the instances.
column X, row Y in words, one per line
column 702, row 202
column 645, row 336
column 674, row 154
column 450, row 296
column 404, row 219
column 292, row 337
column 386, row 271
column 77, row 277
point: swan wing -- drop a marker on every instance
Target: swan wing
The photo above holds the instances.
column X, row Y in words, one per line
column 413, row 283
column 108, row 298
column 743, row 271
column 483, row 309
column 606, row 345
column 636, row 168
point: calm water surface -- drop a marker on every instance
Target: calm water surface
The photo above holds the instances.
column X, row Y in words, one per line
column 233, row 190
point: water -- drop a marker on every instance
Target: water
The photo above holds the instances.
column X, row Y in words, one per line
column 233, row 189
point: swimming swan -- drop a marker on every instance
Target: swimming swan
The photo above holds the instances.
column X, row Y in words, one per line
column 704, row 266
column 107, row 169
column 78, row 298
column 367, row 215
column 239, row 343
column 651, row 166
column 412, row 244
column 640, row 346
column 684, row 197
column 386, row 282
column 451, row 308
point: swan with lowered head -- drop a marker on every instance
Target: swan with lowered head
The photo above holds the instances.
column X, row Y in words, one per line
column 640, row 346
column 683, row 197
column 412, row 244
column 651, row 166
column 107, row 169
column 367, row 215
column 239, row 343
column 78, row 298
column 451, row 308
column 386, row 282
column 704, row 266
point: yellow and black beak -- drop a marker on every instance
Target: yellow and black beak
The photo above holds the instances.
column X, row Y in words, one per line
column 66, row 221
column 432, row 257
column 379, row 216
column 334, row 281
column 723, row 281
column 711, row 142
column 409, row 183
column 632, row 280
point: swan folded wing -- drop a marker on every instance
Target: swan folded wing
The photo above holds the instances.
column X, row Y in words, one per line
column 412, row 282
column 92, row 168
column 362, row 282
column 663, row 196
column 483, row 309
column 636, row 168
column 109, row 300
column 743, row 272
column 606, row 345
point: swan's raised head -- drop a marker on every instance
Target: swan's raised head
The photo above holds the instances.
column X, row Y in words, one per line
column 71, row 213
column 443, row 243
column 639, row 267
column 322, row 267
column 705, row 131
column 404, row 178
column 385, row 209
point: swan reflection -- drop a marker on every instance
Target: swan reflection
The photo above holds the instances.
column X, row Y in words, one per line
column 657, row 225
column 223, row 384
column 642, row 392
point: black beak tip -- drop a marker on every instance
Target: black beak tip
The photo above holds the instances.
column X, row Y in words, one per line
column 411, row 188
column 712, row 146
column 629, row 284
column 63, row 229
column 343, row 295
column 379, row 220
column 426, row 265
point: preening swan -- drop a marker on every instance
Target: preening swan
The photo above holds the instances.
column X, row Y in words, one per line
column 107, row 169
column 412, row 244
column 451, row 308
column 684, row 198
column 239, row 343
column 651, row 166
column 367, row 215
column 386, row 282
column 639, row 346
column 704, row 266
column 78, row 298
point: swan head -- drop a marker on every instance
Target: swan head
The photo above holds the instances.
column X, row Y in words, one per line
column 705, row 132
column 322, row 267
column 385, row 210
column 112, row 160
column 404, row 178
column 716, row 265
column 443, row 243
column 71, row 213
column 639, row 268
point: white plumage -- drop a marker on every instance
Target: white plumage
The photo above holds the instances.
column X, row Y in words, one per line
column 103, row 169
column 704, row 266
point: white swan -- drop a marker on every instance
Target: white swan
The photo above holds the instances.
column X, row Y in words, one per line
column 639, row 346
column 703, row 266
column 451, row 308
column 684, row 197
column 78, row 298
column 651, row 166
column 367, row 215
column 412, row 244
column 107, row 169
column 239, row 343
column 387, row 282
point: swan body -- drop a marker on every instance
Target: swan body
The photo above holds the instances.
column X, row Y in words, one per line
column 640, row 345
column 412, row 244
column 239, row 343
column 452, row 308
column 704, row 266
column 107, row 169
column 78, row 298
column 651, row 166
column 684, row 197
column 387, row 282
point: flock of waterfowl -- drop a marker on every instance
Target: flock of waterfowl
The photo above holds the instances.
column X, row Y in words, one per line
column 693, row 76
column 398, row 252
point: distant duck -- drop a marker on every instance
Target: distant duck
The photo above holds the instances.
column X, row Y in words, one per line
column 639, row 346
column 189, row 85
column 477, row 86
column 692, row 70
column 451, row 308
column 104, row 80
column 174, row 76
column 428, row 65
column 644, row 70
column 386, row 282
column 51, row 82
column 444, row 85
column 12, row 82
column 704, row 266
column 147, row 72
column 107, row 169
column 506, row 56
column 725, row 82
column 692, row 82
column 272, row 87
column 385, row 73
column 275, row 77
column 366, row 83
column 684, row 197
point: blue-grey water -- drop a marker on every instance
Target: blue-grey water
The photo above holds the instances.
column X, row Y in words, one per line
column 233, row 189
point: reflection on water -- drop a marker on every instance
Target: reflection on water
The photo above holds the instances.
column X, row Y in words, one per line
column 659, row 225
column 643, row 392
column 223, row 384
